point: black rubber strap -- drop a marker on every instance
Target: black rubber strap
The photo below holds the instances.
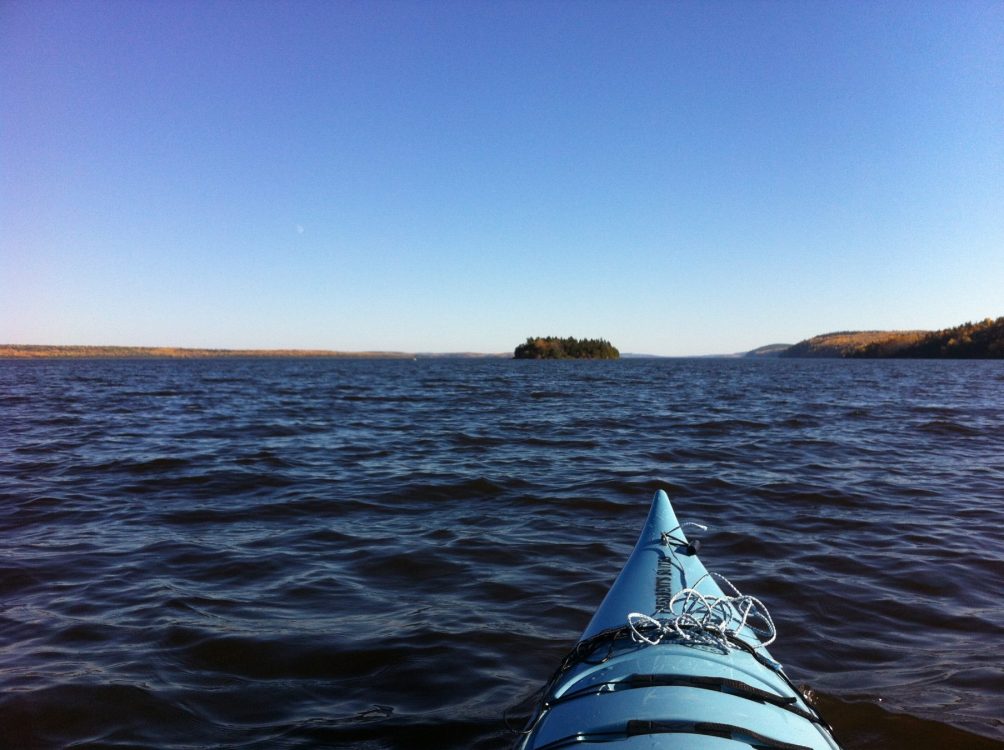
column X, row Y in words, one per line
column 641, row 727
column 712, row 683
column 720, row 684
column 725, row 731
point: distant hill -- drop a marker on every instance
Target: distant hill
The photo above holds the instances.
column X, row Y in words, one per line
column 770, row 350
column 852, row 343
column 983, row 340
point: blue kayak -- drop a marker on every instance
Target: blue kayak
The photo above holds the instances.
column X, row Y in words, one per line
column 674, row 659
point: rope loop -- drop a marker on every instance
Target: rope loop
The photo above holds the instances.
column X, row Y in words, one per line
column 697, row 617
column 668, row 537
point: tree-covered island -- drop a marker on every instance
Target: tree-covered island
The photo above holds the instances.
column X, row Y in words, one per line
column 554, row 347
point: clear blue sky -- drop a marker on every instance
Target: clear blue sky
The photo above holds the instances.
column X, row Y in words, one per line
column 679, row 178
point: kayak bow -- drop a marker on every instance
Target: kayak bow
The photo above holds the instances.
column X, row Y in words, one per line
column 671, row 661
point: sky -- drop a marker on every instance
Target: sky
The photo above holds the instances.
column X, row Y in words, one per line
column 680, row 178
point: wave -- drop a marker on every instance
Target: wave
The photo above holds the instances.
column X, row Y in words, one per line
column 947, row 427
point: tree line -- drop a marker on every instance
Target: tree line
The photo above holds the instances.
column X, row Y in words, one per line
column 554, row 347
column 982, row 340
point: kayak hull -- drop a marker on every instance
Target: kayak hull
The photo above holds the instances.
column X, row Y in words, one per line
column 618, row 690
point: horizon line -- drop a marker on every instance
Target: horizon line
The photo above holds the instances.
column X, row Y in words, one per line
column 120, row 351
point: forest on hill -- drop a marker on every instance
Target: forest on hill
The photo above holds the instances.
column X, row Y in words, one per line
column 554, row 347
column 982, row 340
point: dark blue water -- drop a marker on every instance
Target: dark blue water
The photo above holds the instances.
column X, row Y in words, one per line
column 392, row 554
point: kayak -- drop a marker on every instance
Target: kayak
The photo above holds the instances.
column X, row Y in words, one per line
column 674, row 658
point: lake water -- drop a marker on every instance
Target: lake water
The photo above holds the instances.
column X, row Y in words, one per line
column 393, row 554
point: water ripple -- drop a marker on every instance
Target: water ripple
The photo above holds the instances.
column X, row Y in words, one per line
column 307, row 554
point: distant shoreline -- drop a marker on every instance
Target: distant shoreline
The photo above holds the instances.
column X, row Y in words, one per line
column 981, row 340
column 36, row 351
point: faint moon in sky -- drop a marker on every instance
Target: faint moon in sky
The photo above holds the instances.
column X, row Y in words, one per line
column 299, row 229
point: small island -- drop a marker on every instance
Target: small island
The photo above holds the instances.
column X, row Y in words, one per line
column 554, row 347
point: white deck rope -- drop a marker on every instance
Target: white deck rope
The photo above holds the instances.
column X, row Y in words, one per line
column 697, row 617
column 667, row 536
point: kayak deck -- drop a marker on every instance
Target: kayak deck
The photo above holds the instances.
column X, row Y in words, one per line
column 670, row 661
